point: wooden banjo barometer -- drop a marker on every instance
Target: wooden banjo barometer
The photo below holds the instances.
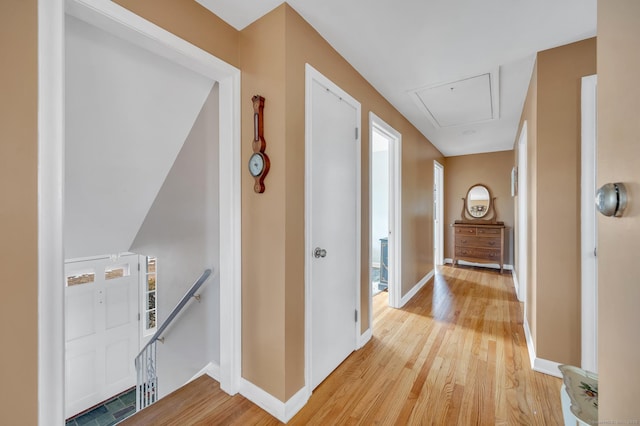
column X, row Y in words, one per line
column 259, row 161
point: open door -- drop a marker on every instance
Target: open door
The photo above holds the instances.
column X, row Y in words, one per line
column 385, row 177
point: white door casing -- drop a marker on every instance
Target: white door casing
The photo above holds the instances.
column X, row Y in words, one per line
column 523, row 233
column 101, row 330
column 117, row 20
column 589, row 225
column 332, row 212
column 395, row 208
column 438, row 213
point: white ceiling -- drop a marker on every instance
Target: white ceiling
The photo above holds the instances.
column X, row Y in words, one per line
column 404, row 46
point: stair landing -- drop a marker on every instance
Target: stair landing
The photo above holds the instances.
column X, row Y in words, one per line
column 201, row 402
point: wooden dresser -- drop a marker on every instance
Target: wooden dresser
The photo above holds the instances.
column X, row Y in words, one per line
column 480, row 243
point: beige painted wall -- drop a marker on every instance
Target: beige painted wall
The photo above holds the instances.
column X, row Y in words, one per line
column 560, row 71
column 191, row 21
column 618, row 242
column 18, row 213
column 262, row 58
column 552, row 110
column 273, row 222
column 491, row 169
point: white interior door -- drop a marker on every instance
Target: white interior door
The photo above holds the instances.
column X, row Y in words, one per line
column 333, row 233
column 101, row 330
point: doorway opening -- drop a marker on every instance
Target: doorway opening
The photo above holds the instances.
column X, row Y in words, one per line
column 438, row 215
column 385, row 198
column 379, row 211
column 52, row 138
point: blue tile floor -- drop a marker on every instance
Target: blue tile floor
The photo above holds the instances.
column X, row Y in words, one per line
column 111, row 412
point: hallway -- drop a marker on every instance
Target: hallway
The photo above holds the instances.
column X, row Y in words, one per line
column 455, row 354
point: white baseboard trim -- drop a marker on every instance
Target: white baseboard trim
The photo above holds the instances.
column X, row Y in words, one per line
column 516, row 284
column 529, row 339
column 282, row 411
column 547, row 367
column 507, row 267
column 295, row 404
column 416, row 288
column 364, row 338
column 212, row 370
column 539, row 364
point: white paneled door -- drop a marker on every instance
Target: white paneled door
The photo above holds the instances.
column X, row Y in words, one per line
column 101, row 325
column 333, row 230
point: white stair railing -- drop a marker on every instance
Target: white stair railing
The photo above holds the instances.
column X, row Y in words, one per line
column 147, row 386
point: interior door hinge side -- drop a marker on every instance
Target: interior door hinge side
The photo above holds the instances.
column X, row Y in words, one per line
column 356, row 133
column 356, row 315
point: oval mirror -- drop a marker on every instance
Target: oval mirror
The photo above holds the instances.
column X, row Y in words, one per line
column 478, row 201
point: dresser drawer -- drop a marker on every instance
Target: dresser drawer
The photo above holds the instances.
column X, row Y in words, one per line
column 476, row 241
column 488, row 231
column 478, row 253
column 462, row 230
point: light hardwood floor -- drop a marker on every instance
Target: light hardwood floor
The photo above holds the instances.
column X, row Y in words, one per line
column 454, row 355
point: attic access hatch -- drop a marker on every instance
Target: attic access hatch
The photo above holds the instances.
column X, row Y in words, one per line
column 462, row 102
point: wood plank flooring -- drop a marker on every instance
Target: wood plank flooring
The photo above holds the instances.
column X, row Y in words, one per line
column 454, row 355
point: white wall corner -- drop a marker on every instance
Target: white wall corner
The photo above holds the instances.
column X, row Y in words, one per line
column 282, row 411
column 364, row 338
column 416, row 288
column 538, row 364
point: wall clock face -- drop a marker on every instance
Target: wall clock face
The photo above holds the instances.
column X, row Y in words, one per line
column 256, row 164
